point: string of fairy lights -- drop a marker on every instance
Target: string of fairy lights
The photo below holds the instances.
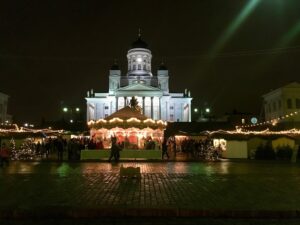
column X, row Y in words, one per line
column 274, row 121
column 17, row 129
column 293, row 131
column 130, row 120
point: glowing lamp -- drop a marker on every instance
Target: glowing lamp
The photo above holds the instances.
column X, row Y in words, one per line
column 254, row 120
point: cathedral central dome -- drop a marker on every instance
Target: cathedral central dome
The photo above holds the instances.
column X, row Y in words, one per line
column 139, row 59
column 139, row 43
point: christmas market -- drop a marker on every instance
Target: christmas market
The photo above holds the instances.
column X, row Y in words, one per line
column 135, row 134
column 24, row 142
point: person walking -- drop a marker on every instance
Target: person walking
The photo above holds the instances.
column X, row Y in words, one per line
column 114, row 150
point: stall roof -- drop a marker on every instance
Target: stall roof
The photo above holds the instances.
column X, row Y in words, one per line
column 194, row 128
column 239, row 135
column 127, row 113
column 27, row 133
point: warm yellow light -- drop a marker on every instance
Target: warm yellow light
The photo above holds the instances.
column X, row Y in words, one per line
column 149, row 120
column 160, row 121
column 101, row 121
column 133, row 119
column 116, row 120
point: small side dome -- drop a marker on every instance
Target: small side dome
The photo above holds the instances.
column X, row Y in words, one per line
column 139, row 43
column 162, row 67
column 115, row 66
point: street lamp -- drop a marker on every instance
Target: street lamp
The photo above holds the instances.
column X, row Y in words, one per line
column 203, row 113
column 69, row 113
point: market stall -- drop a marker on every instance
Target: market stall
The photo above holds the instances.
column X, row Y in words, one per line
column 137, row 135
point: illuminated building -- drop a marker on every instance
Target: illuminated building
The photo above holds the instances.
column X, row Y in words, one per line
column 282, row 105
column 151, row 91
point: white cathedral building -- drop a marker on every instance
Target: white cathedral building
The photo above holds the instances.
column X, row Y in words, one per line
column 151, row 91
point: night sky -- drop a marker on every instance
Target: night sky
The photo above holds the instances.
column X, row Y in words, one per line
column 227, row 53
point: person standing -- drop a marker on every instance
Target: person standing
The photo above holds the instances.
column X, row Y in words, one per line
column 114, row 150
column 164, row 149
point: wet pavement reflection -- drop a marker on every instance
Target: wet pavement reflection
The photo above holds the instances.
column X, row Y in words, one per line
column 204, row 168
column 241, row 185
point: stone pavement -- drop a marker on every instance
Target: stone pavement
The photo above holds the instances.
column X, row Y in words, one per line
column 90, row 190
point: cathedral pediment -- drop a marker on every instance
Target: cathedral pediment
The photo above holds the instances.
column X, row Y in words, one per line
column 138, row 87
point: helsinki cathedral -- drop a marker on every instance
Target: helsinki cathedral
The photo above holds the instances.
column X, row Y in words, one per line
column 150, row 90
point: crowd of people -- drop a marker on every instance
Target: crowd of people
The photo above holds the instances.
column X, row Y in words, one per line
column 56, row 148
column 49, row 148
column 195, row 149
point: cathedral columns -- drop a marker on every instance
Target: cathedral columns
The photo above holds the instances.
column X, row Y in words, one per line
column 190, row 116
column 144, row 105
column 117, row 98
column 182, row 112
column 159, row 108
column 125, row 101
column 151, row 107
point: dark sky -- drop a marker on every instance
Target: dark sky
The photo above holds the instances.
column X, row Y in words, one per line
column 54, row 51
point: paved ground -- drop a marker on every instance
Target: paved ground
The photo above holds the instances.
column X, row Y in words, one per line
column 171, row 188
column 156, row 221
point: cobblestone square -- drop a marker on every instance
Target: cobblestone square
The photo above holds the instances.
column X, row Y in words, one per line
column 169, row 185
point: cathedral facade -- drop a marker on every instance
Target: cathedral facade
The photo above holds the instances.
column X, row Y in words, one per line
column 151, row 91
